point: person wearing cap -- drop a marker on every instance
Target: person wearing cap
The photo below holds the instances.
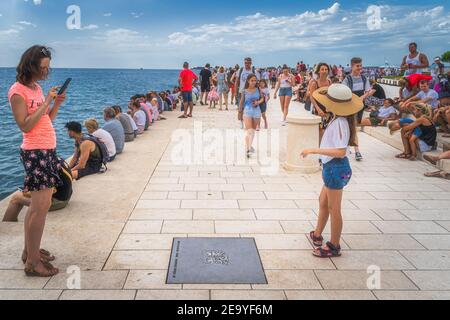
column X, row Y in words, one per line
column 438, row 69
column 186, row 80
column 338, row 100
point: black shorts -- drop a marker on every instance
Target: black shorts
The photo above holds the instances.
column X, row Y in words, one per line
column 206, row 87
column 88, row 170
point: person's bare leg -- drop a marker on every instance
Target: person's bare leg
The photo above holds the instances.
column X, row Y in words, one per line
column 334, row 207
column 16, row 204
column 248, row 123
column 413, row 145
column 282, row 99
column 220, row 101
column 226, row 100
column 191, row 108
column 324, row 212
column 266, row 125
column 365, row 122
column 40, row 204
column 287, row 102
column 405, row 142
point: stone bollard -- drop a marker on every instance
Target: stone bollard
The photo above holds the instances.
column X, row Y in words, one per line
column 303, row 133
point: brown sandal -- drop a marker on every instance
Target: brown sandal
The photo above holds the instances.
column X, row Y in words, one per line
column 46, row 256
column 317, row 241
column 30, row 271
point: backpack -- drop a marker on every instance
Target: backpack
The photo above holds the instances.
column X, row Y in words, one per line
column 445, row 88
column 350, row 82
column 103, row 150
column 64, row 193
column 147, row 119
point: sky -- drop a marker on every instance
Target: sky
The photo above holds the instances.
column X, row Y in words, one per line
column 165, row 33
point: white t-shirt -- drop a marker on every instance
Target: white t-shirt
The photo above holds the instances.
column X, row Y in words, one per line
column 105, row 137
column 140, row 119
column 266, row 93
column 386, row 112
column 244, row 75
column 133, row 124
column 434, row 102
column 336, row 136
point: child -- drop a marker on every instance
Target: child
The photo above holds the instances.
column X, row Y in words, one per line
column 381, row 116
column 249, row 105
column 424, row 138
column 334, row 149
column 213, row 97
column 266, row 92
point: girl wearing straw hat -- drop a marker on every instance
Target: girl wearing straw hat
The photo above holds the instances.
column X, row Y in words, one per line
column 338, row 100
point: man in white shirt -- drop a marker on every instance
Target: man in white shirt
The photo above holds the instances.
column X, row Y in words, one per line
column 426, row 96
column 104, row 136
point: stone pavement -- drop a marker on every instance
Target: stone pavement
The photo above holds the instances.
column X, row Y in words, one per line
column 394, row 219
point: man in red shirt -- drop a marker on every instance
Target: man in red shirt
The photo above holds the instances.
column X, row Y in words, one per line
column 186, row 80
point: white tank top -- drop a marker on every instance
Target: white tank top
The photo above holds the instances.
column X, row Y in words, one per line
column 284, row 83
column 414, row 61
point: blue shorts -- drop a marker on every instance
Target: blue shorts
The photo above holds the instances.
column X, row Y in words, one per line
column 187, row 96
column 285, row 92
column 252, row 112
column 405, row 121
column 337, row 173
column 263, row 107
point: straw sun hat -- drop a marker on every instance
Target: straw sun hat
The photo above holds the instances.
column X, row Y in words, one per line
column 339, row 99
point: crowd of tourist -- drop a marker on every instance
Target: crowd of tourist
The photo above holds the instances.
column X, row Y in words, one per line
column 339, row 95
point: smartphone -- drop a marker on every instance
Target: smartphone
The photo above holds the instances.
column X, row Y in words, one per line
column 64, row 86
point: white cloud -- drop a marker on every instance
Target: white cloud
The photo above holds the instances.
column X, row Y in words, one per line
column 107, row 14
column 137, row 15
column 90, row 27
column 36, row 2
column 332, row 27
column 27, row 23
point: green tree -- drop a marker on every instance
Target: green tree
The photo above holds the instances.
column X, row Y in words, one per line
column 446, row 56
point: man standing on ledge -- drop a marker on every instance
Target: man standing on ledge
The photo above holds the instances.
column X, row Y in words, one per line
column 205, row 80
column 186, row 80
column 415, row 62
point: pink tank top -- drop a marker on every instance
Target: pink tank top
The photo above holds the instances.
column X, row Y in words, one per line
column 42, row 136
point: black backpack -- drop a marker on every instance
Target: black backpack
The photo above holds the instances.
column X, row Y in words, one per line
column 64, row 192
column 350, row 82
column 147, row 119
column 445, row 88
column 103, row 150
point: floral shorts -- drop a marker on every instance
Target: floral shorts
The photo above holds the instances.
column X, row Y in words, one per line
column 337, row 173
column 41, row 170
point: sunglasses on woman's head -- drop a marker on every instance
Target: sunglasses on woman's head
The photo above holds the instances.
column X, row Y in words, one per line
column 45, row 52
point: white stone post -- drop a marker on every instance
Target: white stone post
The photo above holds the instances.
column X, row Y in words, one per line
column 303, row 133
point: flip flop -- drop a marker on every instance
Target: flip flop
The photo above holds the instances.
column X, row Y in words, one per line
column 46, row 256
column 182, row 117
column 403, row 156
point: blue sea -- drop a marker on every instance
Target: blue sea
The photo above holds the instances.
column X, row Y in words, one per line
column 89, row 93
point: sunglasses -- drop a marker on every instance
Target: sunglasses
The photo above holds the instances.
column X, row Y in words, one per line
column 45, row 52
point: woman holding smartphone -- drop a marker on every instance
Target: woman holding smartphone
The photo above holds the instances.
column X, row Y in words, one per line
column 339, row 101
column 34, row 114
column 286, row 81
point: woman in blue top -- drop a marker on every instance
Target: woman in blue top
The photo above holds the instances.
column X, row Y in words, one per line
column 339, row 100
column 252, row 98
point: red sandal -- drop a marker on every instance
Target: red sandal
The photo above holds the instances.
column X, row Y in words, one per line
column 331, row 252
column 317, row 241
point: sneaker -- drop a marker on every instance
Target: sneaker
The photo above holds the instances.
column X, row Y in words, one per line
column 358, row 156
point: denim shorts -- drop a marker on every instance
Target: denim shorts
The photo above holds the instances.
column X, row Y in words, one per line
column 187, row 96
column 263, row 107
column 252, row 112
column 285, row 92
column 406, row 121
column 337, row 173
